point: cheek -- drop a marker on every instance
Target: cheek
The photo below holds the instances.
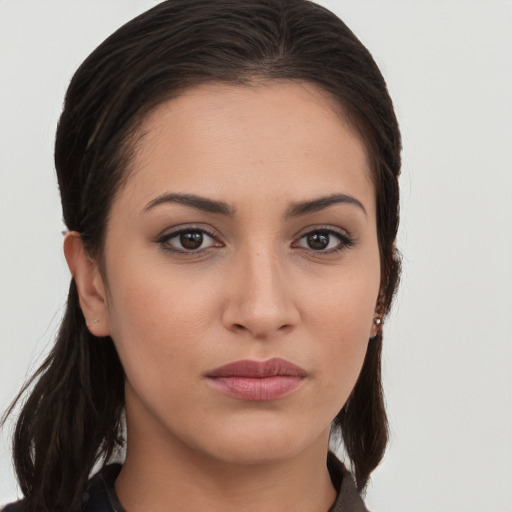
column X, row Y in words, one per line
column 342, row 316
column 344, row 305
column 157, row 321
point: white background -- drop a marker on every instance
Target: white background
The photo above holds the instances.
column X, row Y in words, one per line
column 448, row 355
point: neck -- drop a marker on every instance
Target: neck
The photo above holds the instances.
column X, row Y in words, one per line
column 158, row 473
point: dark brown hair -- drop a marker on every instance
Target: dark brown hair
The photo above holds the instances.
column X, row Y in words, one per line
column 73, row 415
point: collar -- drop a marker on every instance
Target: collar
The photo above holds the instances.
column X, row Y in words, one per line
column 100, row 495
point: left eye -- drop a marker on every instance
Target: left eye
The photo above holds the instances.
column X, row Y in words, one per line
column 187, row 240
column 323, row 240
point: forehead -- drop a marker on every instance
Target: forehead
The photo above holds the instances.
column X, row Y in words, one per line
column 219, row 139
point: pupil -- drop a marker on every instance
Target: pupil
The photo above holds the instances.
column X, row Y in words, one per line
column 318, row 240
column 191, row 240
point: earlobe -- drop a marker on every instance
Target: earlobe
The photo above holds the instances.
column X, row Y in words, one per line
column 89, row 283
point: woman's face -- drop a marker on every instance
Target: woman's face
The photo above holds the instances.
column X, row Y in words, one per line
column 241, row 272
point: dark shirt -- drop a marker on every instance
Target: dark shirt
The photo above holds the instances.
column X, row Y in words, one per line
column 100, row 495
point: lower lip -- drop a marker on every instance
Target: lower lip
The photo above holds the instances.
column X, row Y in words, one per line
column 257, row 389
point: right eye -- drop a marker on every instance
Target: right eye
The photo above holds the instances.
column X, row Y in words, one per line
column 188, row 240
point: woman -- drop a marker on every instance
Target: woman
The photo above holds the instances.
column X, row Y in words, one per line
column 228, row 173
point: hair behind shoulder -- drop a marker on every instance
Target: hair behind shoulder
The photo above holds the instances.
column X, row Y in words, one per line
column 71, row 418
column 73, row 414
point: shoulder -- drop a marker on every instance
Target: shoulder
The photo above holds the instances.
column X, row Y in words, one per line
column 348, row 499
column 98, row 496
column 14, row 507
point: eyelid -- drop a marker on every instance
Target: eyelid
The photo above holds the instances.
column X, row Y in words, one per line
column 346, row 239
column 175, row 231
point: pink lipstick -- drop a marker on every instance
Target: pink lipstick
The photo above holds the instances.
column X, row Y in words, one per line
column 257, row 380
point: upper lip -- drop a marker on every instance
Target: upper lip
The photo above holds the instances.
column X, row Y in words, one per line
column 258, row 369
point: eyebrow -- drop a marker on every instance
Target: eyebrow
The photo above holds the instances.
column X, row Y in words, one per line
column 220, row 207
column 193, row 201
column 315, row 205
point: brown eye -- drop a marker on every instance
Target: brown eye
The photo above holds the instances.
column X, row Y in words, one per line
column 325, row 241
column 188, row 240
column 318, row 241
column 191, row 240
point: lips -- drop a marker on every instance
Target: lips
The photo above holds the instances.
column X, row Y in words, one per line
column 257, row 380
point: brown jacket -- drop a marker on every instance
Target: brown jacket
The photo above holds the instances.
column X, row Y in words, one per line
column 348, row 499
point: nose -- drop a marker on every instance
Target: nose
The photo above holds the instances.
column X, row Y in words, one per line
column 260, row 300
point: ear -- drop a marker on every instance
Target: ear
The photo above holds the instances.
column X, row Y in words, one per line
column 89, row 283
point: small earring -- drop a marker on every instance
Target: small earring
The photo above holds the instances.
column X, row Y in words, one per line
column 377, row 321
column 95, row 321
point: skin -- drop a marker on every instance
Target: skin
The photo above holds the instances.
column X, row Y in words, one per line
column 254, row 289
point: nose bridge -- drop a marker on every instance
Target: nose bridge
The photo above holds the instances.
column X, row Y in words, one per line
column 262, row 301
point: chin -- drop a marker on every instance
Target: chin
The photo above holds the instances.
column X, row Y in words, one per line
column 265, row 442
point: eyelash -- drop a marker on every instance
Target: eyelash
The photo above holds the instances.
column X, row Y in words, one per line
column 164, row 240
column 345, row 240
